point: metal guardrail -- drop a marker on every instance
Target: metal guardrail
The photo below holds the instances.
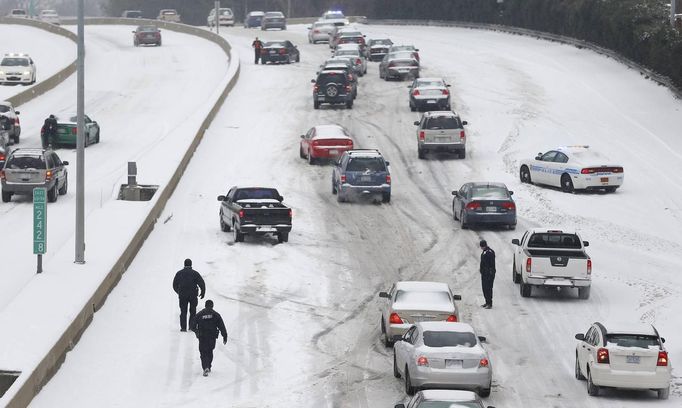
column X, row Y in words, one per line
column 646, row 72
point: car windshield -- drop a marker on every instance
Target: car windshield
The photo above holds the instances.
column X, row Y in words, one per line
column 428, row 82
column 4, row 108
column 169, row 12
column 26, row 162
column 334, row 14
column 274, row 14
column 449, row 339
column 442, row 122
column 14, row 62
column 632, row 340
column 403, row 48
column 489, row 192
column 366, row 164
column 256, row 194
column 323, row 25
column 274, row 44
column 554, row 240
column 449, row 404
column 429, row 297
column 381, row 42
column 348, row 52
column 148, row 29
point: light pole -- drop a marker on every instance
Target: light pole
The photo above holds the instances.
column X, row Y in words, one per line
column 80, row 139
column 673, row 10
column 217, row 16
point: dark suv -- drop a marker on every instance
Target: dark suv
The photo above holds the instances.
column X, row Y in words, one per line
column 27, row 169
column 333, row 87
column 361, row 173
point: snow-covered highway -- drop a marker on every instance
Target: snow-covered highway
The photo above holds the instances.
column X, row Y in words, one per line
column 303, row 317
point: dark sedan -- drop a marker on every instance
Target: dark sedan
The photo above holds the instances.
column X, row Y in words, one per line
column 280, row 52
column 484, row 203
column 378, row 48
column 147, row 35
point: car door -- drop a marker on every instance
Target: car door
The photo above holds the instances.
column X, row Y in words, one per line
column 581, row 349
column 305, row 141
column 518, row 257
column 58, row 169
column 388, row 306
column 460, row 199
column 558, row 166
column 403, row 349
column 539, row 169
column 225, row 207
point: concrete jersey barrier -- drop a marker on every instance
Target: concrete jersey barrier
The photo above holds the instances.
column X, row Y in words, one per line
column 25, row 389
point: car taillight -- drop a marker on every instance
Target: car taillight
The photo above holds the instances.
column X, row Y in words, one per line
column 316, row 31
column 391, row 64
column 282, row 51
column 343, row 180
column 423, row 361
column 416, row 92
column 348, row 88
column 451, row 319
column 589, row 267
column 395, row 319
column 462, row 135
column 315, row 142
column 291, row 213
column 422, row 135
column 350, row 77
column 603, row 356
column 509, row 205
column 48, row 175
column 2, row 174
column 16, row 121
column 446, row 92
column 241, row 213
column 74, row 130
column 529, row 264
column 316, row 88
column 2, row 157
column 662, row 359
column 617, row 170
column 262, row 51
column 358, row 61
column 349, row 142
column 388, row 179
column 484, row 362
column 473, row 206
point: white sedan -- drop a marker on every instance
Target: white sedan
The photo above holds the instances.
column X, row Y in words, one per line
column 442, row 355
column 572, row 168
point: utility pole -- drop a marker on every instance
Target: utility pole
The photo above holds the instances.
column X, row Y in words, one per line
column 80, row 139
column 288, row 8
column 217, row 16
column 673, row 10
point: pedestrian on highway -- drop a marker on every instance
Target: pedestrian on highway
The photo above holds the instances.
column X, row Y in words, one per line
column 207, row 325
column 487, row 273
column 186, row 284
column 257, row 46
column 49, row 131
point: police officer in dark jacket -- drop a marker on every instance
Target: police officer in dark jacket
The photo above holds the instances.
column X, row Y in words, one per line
column 186, row 283
column 207, row 324
column 487, row 273
column 49, row 131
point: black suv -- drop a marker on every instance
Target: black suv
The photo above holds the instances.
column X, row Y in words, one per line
column 333, row 87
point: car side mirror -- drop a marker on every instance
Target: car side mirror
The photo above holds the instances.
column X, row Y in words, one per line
column 310, row 27
column 65, row 163
column 455, row 193
column 388, row 163
column 312, row 81
column 16, row 112
column 448, row 85
column 133, row 32
column 416, row 49
column 457, row 297
column 586, row 243
column 221, row 198
column 464, row 122
column 416, row 123
column 302, row 136
column 538, row 157
column 384, row 295
column 399, row 406
column 515, row 241
column 511, row 193
column 482, row 339
column 280, row 198
column 580, row 336
column 662, row 339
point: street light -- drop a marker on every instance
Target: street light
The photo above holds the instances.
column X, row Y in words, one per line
column 80, row 139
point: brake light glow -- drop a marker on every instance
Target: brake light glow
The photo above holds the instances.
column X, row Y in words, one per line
column 241, row 213
column 395, row 319
column 422, row 135
column 48, row 175
column 462, row 135
column 662, row 359
column 484, row 362
column 529, row 264
column 388, row 179
column 350, row 77
column 315, row 142
column 423, row 361
column 451, row 319
column 282, row 51
column 589, row 267
column 349, row 142
column 473, row 206
column 592, row 170
column 16, row 121
column 416, row 92
column 446, row 92
column 316, row 31
column 509, row 205
column 603, row 356
column 391, row 64
column 343, row 180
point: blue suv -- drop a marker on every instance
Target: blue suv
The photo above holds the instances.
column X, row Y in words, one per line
column 361, row 173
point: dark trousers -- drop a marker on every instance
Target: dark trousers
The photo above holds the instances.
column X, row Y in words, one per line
column 257, row 55
column 185, row 301
column 206, row 346
column 487, row 280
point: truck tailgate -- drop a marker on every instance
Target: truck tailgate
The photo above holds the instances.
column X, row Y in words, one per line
column 560, row 264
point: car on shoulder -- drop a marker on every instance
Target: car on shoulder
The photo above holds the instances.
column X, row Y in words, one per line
column 17, row 13
column 362, row 174
column 332, row 87
column 573, row 168
column 409, row 48
column 443, row 355
column 325, row 142
column 225, row 17
column 441, row 131
column 319, row 31
column 7, row 110
column 49, row 16
column 17, row 68
column 401, row 64
column 343, row 64
column 626, row 356
column 442, row 399
column 429, row 94
column 483, row 203
column 255, row 211
column 273, row 19
column 378, row 48
column 26, row 169
column 353, row 53
column 67, row 129
column 146, row 35
column 282, row 52
column 334, row 17
column 253, row 19
column 170, row 15
column 132, row 14
column 410, row 302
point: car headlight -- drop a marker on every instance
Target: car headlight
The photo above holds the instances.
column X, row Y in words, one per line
column 27, row 72
column 2, row 72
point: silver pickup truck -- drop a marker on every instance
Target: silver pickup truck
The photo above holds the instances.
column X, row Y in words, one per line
column 552, row 258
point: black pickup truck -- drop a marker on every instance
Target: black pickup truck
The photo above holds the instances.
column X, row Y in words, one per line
column 254, row 211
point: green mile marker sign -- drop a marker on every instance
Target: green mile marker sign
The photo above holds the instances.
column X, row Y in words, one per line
column 39, row 221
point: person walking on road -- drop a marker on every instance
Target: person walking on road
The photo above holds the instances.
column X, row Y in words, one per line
column 207, row 325
column 186, row 284
column 487, row 273
column 49, row 131
column 257, row 46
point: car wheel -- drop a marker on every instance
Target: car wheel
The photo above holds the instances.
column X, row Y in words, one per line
column 283, row 237
column 463, row 221
column 409, row 389
column 15, row 138
column 420, row 153
column 339, row 196
column 611, row 189
column 223, row 225
column 396, row 373
column 578, row 374
column 65, row 187
column 349, row 104
column 484, row 392
column 298, row 58
column 511, row 227
column 462, row 154
column 86, row 142
column 567, row 183
column 525, row 289
column 413, row 108
column 386, row 197
column 592, row 389
column 454, row 212
column 515, row 275
column 316, row 104
column 333, row 188
column 52, row 193
column 524, row 175
column 584, row 292
column 300, row 153
column 97, row 137
column 664, row 393
column 448, row 107
column 311, row 159
column 238, row 236
column 6, row 197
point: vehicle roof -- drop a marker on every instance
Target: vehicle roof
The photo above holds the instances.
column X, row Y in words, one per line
column 630, row 328
column 6, row 103
column 256, row 13
column 16, row 55
column 425, row 79
column 173, row 10
column 550, row 230
column 274, row 12
column 422, row 286
column 330, row 131
column 440, row 113
column 26, row 151
column 458, row 327
column 487, row 184
column 410, row 46
column 364, row 153
column 449, row 395
column 401, row 55
column 351, row 46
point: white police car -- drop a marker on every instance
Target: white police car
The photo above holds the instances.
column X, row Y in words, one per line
column 17, row 69
column 572, row 168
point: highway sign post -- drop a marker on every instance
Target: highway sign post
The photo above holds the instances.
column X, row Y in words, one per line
column 40, row 224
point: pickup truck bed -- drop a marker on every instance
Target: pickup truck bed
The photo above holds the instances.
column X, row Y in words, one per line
column 255, row 215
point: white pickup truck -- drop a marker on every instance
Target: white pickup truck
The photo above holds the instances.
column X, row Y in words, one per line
column 552, row 258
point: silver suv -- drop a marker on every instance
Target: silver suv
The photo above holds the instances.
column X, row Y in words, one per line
column 441, row 131
column 27, row 169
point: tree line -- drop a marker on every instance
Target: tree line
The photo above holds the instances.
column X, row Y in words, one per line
column 638, row 29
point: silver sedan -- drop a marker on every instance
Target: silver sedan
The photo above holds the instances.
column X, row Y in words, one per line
column 319, row 31
column 442, row 355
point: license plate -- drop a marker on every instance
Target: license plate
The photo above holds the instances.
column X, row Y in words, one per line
column 334, row 152
column 632, row 359
column 273, row 52
column 431, row 101
column 453, row 363
column 490, row 209
column 365, row 178
column 604, row 179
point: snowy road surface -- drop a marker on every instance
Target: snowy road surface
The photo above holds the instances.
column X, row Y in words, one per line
column 303, row 317
column 50, row 52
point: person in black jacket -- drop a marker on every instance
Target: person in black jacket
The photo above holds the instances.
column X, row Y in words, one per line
column 49, row 131
column 487, row 273
column 207, row 324
column 186, row 283
column 257, row 47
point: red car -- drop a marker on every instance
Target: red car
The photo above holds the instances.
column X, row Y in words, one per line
column 147, row 35
column 325, row 142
